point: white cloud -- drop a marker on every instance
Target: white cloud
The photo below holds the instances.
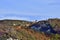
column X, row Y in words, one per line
column 15, row 18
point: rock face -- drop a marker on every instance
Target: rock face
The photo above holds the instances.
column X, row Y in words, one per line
column 43, row 27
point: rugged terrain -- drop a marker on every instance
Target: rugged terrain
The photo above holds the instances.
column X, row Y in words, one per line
column 22, row 30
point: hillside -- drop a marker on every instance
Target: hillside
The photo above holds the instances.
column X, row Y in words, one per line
column 22, row 30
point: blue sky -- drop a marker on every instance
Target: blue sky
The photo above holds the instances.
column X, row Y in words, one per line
column 29, row 9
